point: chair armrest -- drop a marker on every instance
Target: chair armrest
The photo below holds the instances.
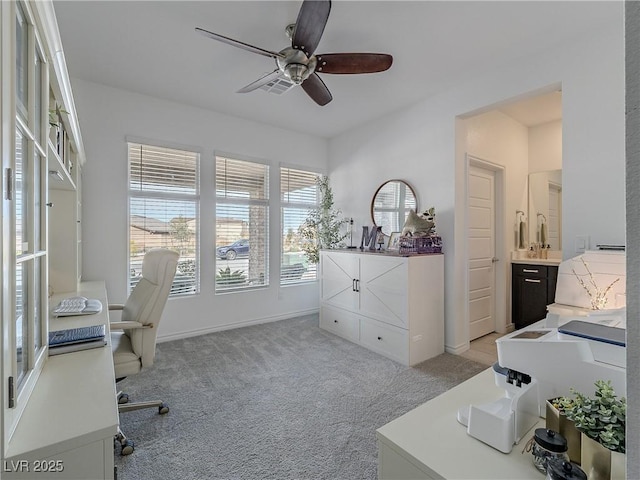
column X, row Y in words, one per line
column 116, row 306
column 127, row 325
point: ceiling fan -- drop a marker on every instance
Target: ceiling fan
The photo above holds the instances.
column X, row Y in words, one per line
column 298, row 62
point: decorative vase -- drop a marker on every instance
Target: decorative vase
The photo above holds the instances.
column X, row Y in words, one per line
column 558, row 422
column 600, row 463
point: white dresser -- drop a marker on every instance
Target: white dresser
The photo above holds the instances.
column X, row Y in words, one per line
column 391, row 304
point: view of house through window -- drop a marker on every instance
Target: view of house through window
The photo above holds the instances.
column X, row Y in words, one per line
column 242, row 224
column 298, row 194
column 164, row 210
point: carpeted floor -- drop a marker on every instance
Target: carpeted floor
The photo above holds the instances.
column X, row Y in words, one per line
column 283, row 400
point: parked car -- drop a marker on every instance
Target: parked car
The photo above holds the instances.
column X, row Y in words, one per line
column 236, row 249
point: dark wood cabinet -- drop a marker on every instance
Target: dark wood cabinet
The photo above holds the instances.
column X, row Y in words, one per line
column 533, row 288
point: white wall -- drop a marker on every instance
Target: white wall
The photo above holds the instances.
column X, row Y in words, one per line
column 545, row 147
column 632, row 33
column 107, row 117
column 423, row 145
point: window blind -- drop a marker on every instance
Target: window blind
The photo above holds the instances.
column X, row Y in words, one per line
column 164, row 210
column 242, row 224
column 299, row 195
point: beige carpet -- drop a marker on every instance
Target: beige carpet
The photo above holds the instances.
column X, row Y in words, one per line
column 283, row 400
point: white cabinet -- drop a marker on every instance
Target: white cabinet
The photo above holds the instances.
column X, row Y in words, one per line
column 429, row 443
column 390, row 304
column 42, row 153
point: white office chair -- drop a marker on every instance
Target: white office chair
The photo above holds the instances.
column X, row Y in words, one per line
column 133, row 338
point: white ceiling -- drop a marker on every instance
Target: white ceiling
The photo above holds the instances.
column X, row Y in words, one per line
column 151, row 47
column 536, row 110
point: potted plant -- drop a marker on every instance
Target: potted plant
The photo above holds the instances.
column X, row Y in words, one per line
column 602, row 421
column 557, row 420
column 321, row 229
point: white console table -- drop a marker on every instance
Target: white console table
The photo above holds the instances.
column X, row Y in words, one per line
column 429, row 443
column 72, row 414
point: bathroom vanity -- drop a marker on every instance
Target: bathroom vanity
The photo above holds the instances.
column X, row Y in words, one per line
column 533, row 287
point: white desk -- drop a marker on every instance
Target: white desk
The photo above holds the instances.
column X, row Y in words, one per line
column 429, row 443
column 72, row 414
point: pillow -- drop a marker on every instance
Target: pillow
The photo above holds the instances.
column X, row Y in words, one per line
column 418, row 225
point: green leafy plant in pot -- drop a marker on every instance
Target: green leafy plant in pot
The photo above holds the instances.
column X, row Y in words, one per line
column 556, row 420
column 322, row 227
column 602, row 420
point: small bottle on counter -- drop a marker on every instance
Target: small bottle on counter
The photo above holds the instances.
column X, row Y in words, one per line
column 547, row 445
column 531, row 253
column 544, row 252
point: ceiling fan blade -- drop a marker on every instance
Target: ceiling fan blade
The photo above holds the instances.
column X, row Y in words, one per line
column 261, row 81
column 317, row 90
column 310, row 24
column 238, row 43
column 353, row 62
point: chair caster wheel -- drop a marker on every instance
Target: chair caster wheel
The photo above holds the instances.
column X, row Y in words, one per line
column 127, row 448
column 162, row 409
column 123, row 398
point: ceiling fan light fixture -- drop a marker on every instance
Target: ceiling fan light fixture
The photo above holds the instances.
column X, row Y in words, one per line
column 296, row 72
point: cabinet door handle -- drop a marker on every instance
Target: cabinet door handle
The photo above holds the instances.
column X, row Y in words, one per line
column 353, row 285
column 379, row 338
column 357, row 285
column 532, row 280
column 527, row 270
column 335, row 321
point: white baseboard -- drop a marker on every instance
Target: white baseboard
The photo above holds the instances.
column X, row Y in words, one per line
column 229, row 326
column 460, row 349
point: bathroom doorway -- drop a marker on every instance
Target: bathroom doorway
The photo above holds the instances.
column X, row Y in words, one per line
column 484, row 228
column 522, row 136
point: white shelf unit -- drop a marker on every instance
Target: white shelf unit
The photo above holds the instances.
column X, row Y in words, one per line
column 40, row 244
column 387, row 303
column 64, row 164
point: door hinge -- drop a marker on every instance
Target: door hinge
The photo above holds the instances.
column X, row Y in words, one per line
column 12, row 393
column 8, row 183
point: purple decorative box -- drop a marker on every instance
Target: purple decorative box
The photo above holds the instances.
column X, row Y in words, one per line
column 429, row 244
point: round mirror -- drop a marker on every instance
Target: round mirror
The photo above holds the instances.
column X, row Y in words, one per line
column 391, row 204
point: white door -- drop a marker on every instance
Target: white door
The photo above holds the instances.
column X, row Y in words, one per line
column 555, row 209
column 481, row 247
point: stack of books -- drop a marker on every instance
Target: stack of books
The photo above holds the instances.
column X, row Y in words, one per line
column 75, row 339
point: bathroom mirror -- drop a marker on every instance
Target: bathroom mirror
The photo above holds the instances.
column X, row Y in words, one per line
column 545, row 208
column 391, row 204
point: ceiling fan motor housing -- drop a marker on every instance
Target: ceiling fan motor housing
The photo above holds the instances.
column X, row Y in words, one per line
column 295, row 65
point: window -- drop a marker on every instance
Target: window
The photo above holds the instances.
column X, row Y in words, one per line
column 164, row 211
column 242, row 224
column 22, row 60
column 298, row 196
column 26, row 301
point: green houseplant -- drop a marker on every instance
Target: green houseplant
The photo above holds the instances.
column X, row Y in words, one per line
column 602, row 421
column 322, row 227
column 602, row 418
column 556, row 420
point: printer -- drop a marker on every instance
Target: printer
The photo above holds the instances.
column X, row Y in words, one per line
column 570, row 349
